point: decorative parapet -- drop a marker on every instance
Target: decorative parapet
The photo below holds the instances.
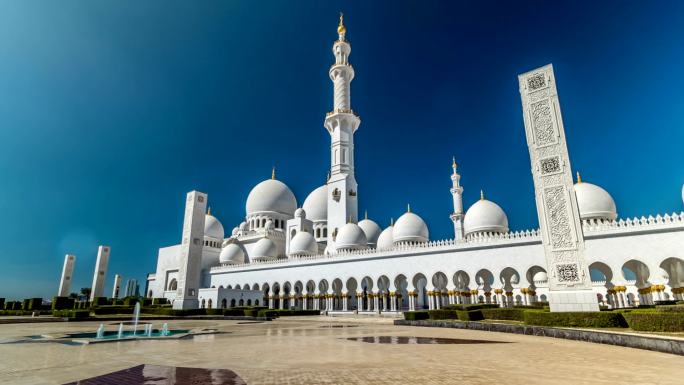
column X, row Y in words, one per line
column 667, row 221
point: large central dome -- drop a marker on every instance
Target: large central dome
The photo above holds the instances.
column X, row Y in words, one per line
column 271, row 195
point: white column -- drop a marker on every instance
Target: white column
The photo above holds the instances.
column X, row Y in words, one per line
column 100, row 273
column 67, row 275
column 344, row 302
column 190, row 266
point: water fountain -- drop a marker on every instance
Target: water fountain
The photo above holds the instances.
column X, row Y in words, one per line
column 100, row 332
column 136, row 317
column 149, row 330
column 165, row 329
column 120, row 335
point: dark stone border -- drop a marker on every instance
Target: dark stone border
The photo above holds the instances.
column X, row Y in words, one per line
column 662, row 345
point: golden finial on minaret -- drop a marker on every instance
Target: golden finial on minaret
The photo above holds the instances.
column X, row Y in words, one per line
column 481, row 195
column 340, row 27
column 408, row 207
column 273, row 173
column 453, row 163
column 579, row 178
column 209, row 210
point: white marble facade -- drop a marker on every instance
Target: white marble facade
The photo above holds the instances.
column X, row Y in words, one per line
column 320, row 256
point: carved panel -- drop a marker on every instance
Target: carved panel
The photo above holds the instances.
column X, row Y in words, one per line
column 560, row 230
column 567, row 272
column 536, row 81
column 539, row 95
column 542, row 123
column 550, row 165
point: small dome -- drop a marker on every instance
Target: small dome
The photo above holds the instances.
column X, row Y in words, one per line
column 264, row 249
column 410, row 228
column 386, row 239
column 485, row 216
column 540, row 276
column 594, row 202
column 269, row 225
column 300, row 213
column 303, row 243
column 350, row 237
column 243, row 226
column 372, row 231
column 271, row 195
column 316, row 204
column 212, row 227
column 232, row 254
column 235, row 231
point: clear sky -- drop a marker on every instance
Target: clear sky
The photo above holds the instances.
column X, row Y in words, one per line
column 111, row 111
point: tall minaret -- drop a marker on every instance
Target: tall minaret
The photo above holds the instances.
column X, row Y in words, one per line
column 457, row 193
column 341, row 124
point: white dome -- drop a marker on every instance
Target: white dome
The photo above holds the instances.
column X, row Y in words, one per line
column 232, row 254
column 351, row 237
column 410, row 228
column 316, row 204
column 386, row 239
column 594, row 202
column 235, row 231
column 243, row 226
column 303, row 243
column 264, row 249
column 372, row 231
column 540, row 276
column 485, row 216
column 271, row 195
column 300, row 213
column 212, row 227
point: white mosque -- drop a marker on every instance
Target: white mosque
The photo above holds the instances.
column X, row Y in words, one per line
column 320, row 256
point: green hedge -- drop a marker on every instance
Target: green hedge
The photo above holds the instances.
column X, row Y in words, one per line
column 671, row 309
column 61, row 303
column 233, row 312
column 469, row 315
column 504, row 313
column 575, row 319
column 13, row 305
column 443, row 314
column 213, row 311
column 159, row 301
column 111, row 309
column 2, row 303
column 655, row 321
column 81, row 305
column 15, row 312
column 416, row 315
column 130, row 301
column 473, row 306
column 71, row 313
column 284, row 313
column 32, row 304
column 100, row 301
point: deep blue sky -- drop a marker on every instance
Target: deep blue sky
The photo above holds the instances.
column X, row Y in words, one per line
column 111, row 111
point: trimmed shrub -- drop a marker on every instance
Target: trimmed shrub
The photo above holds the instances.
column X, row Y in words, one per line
column 540, row 304
column 416, row 315
column 2, row 303
column 504, row 313
column 469, row 315
column 233, row 312
column 130, row 301
column 146, row 302
column 159, row 301
column 666, row 302
column 471, row 306
column 13, row 305
column 60, row 303
column 655, row 322
column 99, row 301
column 443, row 314
column 71, row 313
column 530, row 307
column 575, row 319
column 111, row 309
column 284, row 313
column 213, row 311
column 671, row 309
column 35, row 304
column 250, row 312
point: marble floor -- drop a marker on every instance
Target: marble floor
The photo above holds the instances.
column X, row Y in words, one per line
column 316, row 351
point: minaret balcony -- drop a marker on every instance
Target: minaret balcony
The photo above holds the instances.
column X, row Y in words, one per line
column 341, row 111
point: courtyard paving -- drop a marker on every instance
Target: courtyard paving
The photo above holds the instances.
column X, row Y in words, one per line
column 317, row 351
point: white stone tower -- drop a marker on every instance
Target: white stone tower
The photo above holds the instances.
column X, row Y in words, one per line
column 100, row 272
column 116, row 289
column 189, row 273
column 341, row 124
column 559, row 221
column 67, row 275
column 457, row 194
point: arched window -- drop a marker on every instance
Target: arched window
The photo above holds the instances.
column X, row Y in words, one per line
column 256, row 302
column 249, row 302
column 293, row 233
column 202, row 304
column 263, row 222
column 232, row 302
column 318, row 232
column 325, row 232
column 242, row 302
column 223, row 303
column 173, row 285
column 209, row 303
